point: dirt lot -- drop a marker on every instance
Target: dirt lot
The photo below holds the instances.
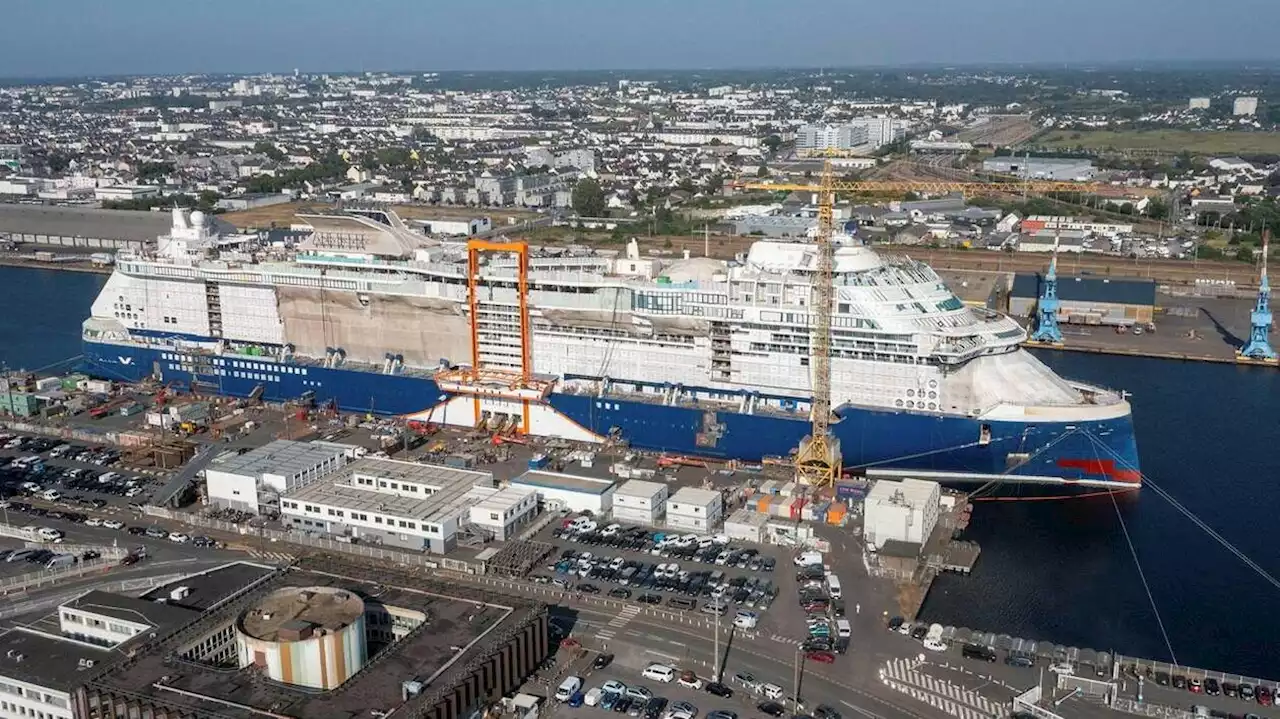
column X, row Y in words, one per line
column 1172, row 141
column 283, row 215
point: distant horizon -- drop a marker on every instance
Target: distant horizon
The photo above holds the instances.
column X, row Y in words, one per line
column 79, row 38
column 1121, row 65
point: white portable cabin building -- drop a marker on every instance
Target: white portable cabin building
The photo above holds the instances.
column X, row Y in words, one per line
column 746, row 526
column 640, row 502
column 697, row 510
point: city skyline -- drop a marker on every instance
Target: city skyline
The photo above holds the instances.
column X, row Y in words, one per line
column 79, row 37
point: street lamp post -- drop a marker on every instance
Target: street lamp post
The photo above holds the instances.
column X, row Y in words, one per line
column 715, row 662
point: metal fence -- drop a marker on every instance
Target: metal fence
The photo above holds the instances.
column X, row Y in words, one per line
column 1129, row 706
column 266, row 537
column 45, row 577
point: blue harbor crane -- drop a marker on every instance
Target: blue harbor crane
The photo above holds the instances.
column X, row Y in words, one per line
column 1047, row 330
column 1259, row 348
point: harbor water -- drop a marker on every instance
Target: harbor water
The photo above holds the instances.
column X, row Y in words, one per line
column 1061, row 571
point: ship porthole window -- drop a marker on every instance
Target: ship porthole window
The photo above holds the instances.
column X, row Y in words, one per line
column 911, row 393
column 933, row 383
column 933, row 395
column 910, row 404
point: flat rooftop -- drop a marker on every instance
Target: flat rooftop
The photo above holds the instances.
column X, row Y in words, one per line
column 294, row 608
column 209, row 589
column 462, row 625
column 132, row 609
column 452, row 494
column 570, row 482
column 639, row 488
column 282, row 456
column 49, row 662
column 693, row 495
column 84, row 222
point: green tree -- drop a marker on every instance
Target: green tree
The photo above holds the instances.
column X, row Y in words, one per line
column 687, row 185
column 1245, row 253
column 588, row 198
column 266, row 148
column 910, row 196
column 762, row 172
column 1157, row 209
column 773, row 142
column 715, row 183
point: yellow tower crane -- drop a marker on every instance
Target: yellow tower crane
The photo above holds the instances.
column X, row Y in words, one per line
column 818, row 459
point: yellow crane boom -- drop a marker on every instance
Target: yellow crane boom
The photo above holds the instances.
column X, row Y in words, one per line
column 818, row 459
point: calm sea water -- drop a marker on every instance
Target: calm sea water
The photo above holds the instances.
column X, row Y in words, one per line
column 1058, row 571
column 40, row 314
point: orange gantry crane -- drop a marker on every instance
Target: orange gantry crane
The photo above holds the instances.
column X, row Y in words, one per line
column 818, row 461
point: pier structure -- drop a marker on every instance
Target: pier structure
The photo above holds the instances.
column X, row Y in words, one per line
column 1258, row 348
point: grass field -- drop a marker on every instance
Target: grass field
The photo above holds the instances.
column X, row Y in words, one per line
column 283, row 215
column 1173, row 141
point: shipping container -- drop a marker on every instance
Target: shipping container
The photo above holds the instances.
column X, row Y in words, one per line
column 23, row 404
column 769, row 486
column 762, row 505
column 130, row 409
column 851, row 491
column 45, row 384
column 836, row 514
column 788, row 489
column 99, row 386
column 72, row 381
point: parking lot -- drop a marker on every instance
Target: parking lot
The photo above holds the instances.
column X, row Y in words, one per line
column 758, row 588
column 639, row 683
column 69, row 473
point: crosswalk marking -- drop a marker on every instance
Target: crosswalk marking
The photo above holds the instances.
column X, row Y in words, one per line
column 624, row 617
column 902, row 675
column 272, row 556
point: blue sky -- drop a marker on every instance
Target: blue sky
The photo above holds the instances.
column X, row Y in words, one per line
column 73, row 37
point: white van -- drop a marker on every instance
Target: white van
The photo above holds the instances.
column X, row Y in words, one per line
column 51, row 495
column 659, row 673
column 49, row 534
column 60, row 560
column 771, row 691
column 568, row 688
column 807, row 558
column 833, row 586
column 843, row 629
column 593, row 697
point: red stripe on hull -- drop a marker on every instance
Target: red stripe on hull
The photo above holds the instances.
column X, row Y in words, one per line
column 1104, row 467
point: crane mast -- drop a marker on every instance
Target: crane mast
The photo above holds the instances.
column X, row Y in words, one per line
column 818, row 459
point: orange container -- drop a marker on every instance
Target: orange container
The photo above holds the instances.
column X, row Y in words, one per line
column 763, row 505
column 836, row 514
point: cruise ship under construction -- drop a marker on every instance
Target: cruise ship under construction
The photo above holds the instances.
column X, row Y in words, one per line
column 694, row 356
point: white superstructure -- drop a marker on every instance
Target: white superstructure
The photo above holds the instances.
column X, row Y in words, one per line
column 367, row 290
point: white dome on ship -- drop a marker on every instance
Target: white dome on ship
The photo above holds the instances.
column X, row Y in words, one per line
column 197, row 219
column 694, row 269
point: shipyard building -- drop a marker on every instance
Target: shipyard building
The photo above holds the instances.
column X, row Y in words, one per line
column 327, row 639
column 423, row 507
column 45, row 661
column 1088, row 300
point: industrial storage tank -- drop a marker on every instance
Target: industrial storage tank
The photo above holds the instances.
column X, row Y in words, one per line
column 306, row 636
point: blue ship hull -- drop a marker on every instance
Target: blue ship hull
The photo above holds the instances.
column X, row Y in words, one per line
column 1100, row 452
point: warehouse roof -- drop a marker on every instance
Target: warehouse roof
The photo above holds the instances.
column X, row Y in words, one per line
column 284, row 457
column 570, row 482
column 1126, row 291
column 84, row 222
column 451, row 492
